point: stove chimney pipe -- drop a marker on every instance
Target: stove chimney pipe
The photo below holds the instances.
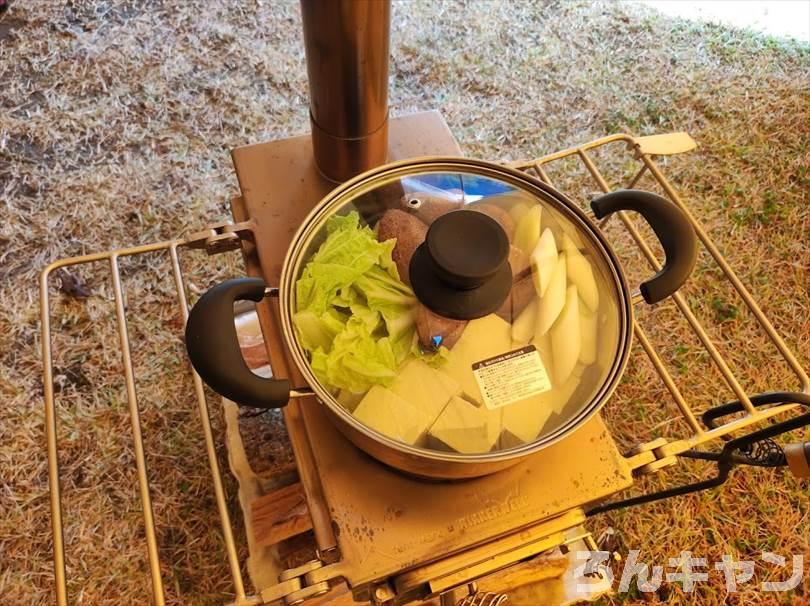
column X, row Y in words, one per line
column 347, row 44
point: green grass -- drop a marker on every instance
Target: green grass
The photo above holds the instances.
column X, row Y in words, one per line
column 118, row 121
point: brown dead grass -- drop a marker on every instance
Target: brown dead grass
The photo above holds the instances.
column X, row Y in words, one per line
column 115, row 129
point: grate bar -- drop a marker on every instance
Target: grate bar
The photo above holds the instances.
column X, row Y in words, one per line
column 60, row 570
column 210, row 447
column 542, row 173
column 701, row 333
column 746, row 296
column 637, row 177
column 669, row 381
column 137, row 437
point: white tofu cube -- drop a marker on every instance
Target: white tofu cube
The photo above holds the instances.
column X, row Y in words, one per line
column 467, row 428
column 482, row 338
column 426, row 389
column 386, row 412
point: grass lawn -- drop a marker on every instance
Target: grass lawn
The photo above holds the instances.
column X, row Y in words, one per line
column 116, row 119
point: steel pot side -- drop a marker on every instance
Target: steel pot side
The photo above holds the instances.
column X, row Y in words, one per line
column 219, row 370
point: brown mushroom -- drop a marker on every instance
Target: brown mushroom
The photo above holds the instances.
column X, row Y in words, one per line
column 430, row 325
column 497, row 213
column 428, row 208
column 409, row 233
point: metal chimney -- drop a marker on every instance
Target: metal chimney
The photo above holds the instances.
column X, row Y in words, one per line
column 347, row 45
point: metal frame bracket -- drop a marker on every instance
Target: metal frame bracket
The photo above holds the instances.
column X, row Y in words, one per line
column 307, row 581
column 221, row 237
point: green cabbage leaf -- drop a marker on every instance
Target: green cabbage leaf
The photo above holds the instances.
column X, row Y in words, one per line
column 354, row 315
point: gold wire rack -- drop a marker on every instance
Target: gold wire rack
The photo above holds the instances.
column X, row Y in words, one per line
column 647, row 457
column 659, row 453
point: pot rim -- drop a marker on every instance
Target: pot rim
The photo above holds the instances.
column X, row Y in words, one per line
column 368, row 181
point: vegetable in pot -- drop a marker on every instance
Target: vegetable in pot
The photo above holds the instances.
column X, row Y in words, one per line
column 466, row 428
column 408, row 232
column 553, row 300
column 483, row 338
column 527, row 230
column 354, row 316
column 435, row 331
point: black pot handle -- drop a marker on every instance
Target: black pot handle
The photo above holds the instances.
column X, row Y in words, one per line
column 214, row 350
column 672, row 229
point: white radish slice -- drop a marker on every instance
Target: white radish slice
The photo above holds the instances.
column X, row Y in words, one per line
column 543, row 346
column 588, row 326
column 568, row 231
column 563, row 393
column 527, row 231
column 518, row 211
column 523, row 326
column 544, row 258
column 580, row 273
column 553, row 301
column 566, row 340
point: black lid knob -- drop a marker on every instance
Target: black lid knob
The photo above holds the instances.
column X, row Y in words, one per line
column 466, row 248
column 461, row 270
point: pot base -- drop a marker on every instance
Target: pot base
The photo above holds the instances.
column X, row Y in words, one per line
column 420, row 468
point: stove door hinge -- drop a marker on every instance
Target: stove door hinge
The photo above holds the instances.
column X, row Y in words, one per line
column 221, row 237
column 305, row 582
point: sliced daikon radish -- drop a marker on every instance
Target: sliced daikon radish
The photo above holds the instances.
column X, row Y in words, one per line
column 523, row 326
column 580, row 273
column 527, row 231
column 572, row 234
column 566, row 338
column 552, row 302
column 543, row 346
column 588, row 322
column 518, row 211
column 544, row 258
column 562, row 394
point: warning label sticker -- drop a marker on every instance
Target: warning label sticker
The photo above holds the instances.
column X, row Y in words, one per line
column 511, row 377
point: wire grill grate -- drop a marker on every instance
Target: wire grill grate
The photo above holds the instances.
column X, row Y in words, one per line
column 645, row 458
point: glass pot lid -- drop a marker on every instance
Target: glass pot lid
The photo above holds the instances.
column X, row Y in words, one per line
column 455, row 310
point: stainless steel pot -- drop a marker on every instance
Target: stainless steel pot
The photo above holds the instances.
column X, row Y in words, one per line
column 526, row 317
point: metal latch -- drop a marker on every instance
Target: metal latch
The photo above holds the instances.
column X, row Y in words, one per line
column 221, row 237
column 302, row 583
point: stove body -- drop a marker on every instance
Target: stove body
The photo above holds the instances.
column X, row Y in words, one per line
column 388, row 531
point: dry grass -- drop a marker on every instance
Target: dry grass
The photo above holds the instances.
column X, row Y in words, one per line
column 115, row 129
